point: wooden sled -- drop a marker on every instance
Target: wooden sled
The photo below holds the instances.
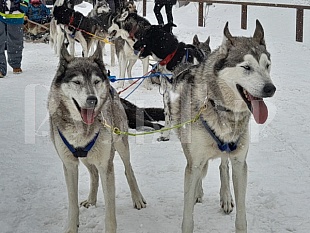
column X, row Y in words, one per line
column 35, row 32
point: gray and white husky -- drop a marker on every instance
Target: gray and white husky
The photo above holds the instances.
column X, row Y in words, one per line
column 80, row 101
column 222, row 92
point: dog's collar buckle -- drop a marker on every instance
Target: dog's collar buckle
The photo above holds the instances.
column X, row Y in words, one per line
column 223, row 146
column 79, row 152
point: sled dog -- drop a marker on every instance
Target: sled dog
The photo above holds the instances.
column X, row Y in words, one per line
column 80, row 28
column 222, row 92
column 172, row 56
column 129, row 26
column 81, row 104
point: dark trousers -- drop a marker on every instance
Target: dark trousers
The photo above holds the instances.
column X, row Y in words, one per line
column 159, row 17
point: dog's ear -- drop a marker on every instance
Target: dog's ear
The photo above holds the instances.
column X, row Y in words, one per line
column 228, row 40
column 196, row 41
column 259, row 33
column 208, row 41
column 228, row 35
column 98, row 58
column 98, row 53
column 64, row 59
column 64, row 54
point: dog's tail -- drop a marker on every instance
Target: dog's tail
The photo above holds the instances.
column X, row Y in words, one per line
column 139, row 117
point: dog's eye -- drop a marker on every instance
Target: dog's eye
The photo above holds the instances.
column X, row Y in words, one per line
column 96, row 82
column 77, row 82
column 246, row 67
column 267, row 66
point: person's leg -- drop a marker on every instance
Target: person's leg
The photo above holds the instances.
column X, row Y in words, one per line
column 3, row 64
column 159, row 17
column 168, row 8
column 15, row 44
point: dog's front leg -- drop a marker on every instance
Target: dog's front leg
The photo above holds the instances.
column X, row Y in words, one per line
column 106, row 171
column 196, row 163
column 94, row 181
column 192, row 175
column 145, row 66
column 71, row 176
column 129, row 67
column 122, row 148
column 226, row 200
column 165, row 136
column 122, row 62
column 239, row 175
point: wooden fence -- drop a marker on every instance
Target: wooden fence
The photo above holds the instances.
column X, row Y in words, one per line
column 244, row 12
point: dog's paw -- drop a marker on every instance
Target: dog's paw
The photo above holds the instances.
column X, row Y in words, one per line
column 71, row 229
column 87, row 203
column 138, row 202
column 199, row 193
column 163, row 139
column 227, row 203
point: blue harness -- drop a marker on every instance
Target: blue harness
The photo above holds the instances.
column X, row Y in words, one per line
column 79, row 152
column 223, row 146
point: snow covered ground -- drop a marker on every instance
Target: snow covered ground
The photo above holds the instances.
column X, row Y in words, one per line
column 32, row 187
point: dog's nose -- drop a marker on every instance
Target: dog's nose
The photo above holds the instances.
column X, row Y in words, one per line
column 91, row 101
column 269, row 89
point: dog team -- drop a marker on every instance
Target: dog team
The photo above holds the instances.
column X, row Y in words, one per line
column 217, row 90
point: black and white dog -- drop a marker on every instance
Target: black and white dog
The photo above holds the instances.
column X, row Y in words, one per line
column 129, row 26
column 173, row 58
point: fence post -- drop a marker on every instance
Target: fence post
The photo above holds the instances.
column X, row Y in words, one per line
column 244, row 16
column 299, row 24
column 144, row 8
column 200, row 14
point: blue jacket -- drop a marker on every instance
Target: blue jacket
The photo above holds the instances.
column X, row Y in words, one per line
column 14, row 15
column 37, row 13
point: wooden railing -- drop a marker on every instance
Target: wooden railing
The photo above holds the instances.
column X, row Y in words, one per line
column 244, row 12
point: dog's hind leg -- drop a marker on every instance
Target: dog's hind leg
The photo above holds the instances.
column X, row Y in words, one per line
column 94, row 181
column 239, row 175
column 122, row 148
column 71, row 176
column 226, row 200
column 112, row 54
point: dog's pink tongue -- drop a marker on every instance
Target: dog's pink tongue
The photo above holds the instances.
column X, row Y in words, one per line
column 259, row 109
column 88, row 115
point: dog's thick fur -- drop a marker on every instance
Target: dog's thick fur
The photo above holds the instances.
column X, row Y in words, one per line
column 230, row 84
column 80, row 101
column 129, row 26
column 158, row 41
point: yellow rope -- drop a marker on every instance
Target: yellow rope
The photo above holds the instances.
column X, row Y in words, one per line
column 117, row 131
column 104, row 39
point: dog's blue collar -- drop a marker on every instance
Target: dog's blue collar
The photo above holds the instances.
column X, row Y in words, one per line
column 79, row 152
column 223, row 146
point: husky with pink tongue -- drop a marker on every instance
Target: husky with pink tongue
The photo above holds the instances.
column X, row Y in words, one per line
column 221, row 93
column 80, row 102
